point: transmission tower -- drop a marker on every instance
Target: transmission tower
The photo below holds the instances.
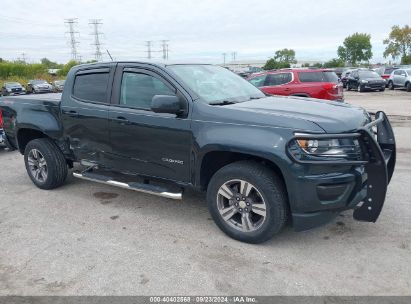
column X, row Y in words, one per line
column 148, row 44
column 96, row 23
column 72, row 22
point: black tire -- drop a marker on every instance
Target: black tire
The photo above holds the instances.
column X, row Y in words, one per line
column 408, row 86
column 348, row 87
column 360, row 88
column 271, row 188
column 382, row 89
column 55, row 163
column 390, row 85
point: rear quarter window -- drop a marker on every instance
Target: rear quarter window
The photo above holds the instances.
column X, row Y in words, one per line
column 91, row 87
column 319, row 76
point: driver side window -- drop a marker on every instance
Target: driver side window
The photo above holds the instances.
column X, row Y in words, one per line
column 137, row 90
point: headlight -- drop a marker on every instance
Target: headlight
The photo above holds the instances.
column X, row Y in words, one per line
column 364, row 81
column 306, row 148
column 8, row 90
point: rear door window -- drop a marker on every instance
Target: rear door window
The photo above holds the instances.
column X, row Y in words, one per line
column 91, row 87
column 319, row 76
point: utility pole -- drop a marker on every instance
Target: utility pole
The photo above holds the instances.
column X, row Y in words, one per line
column 165, row 48
column 23, row 57
column 96, row 23
column 224, row 55
column 233, row 56
column 73, row 42
column 148, row 44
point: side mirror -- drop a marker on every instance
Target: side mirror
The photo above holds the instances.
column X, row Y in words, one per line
column 165, row 104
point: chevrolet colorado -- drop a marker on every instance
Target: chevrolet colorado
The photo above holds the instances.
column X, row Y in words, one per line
column 158, row 129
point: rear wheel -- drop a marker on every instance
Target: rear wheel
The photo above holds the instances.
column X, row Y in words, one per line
column 45, row 163
column 348, row 86
column 390, row 85
column 408, row 86
column 247, row 201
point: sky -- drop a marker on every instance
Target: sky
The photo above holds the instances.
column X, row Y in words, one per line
column 197, row 30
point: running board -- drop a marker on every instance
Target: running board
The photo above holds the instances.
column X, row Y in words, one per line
column 140, row 187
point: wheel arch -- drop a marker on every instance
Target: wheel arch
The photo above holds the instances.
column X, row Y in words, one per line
column 25, row 135
column 214, row 160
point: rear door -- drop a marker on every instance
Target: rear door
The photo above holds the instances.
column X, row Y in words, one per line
column 84, row 113
column 144, row 142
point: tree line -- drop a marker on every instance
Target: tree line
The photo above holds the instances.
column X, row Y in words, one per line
column 356, row 49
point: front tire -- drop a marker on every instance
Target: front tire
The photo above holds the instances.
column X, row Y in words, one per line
column 360, row 88
column 45, row 163
column 247, row 201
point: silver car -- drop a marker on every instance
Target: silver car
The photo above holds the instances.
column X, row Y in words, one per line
column 400, row 78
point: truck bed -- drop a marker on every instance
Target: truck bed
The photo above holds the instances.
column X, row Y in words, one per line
column 34, row 98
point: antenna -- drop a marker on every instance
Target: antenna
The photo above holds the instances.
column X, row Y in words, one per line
column 109, row 55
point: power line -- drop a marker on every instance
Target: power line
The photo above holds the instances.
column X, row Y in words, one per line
column 96, row 23
column 72, row 22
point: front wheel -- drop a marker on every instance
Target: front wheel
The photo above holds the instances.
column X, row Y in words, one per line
column 360, row 88
column 45, row 163
column 247, row 201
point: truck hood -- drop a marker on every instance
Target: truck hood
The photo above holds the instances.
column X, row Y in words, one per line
column 299, row 113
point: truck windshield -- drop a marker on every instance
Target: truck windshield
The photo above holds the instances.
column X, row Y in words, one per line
column 216, row 84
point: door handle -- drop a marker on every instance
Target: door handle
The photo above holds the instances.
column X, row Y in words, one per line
column 71, row 113
column 122, row 120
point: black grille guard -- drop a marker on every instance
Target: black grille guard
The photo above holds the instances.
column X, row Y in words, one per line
column 379, row 162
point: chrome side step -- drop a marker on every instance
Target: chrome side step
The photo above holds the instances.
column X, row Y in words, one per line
column 140, row 187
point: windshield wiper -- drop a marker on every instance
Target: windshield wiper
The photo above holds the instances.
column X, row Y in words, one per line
column 221, row 103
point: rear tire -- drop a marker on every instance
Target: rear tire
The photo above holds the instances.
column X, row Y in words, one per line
column 390, row 85
column 45, row 163
column 348, row 87
column 255, row 215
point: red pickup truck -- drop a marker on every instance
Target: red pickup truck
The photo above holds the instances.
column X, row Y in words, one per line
column 315, row 83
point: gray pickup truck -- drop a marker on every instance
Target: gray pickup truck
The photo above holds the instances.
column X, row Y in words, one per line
column 262, row 160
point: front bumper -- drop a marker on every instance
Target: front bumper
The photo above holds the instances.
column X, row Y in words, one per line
column 325, row 188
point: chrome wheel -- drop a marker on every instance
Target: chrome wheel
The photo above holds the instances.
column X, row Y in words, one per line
column 241, row 205
column 37, row 165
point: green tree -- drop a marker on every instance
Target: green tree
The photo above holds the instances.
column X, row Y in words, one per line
column 356, row 48
column 50, row 64
column 285, row 55
column 334, row 63
column 66, row 68
column 399, row 43
column 282, row 59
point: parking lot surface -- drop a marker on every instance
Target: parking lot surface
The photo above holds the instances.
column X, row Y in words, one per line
column 90, row 239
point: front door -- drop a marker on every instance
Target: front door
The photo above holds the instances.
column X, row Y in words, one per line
column 144, row 142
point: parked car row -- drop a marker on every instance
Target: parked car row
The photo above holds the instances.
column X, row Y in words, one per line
column 32, row 87
column 314, row 83
column 400, row 78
